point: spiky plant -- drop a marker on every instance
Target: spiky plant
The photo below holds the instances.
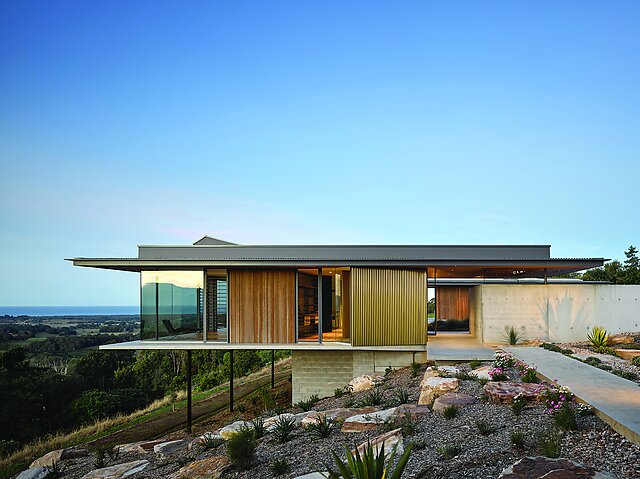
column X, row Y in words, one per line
column 598, row 337
column 511, row 335
column 369, row 465
column 322, row 427
column 283, row 427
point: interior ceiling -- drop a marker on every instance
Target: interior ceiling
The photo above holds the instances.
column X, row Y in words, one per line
column 498, row 272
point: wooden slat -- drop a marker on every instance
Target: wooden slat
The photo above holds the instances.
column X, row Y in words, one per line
column 261, row 306
column 453, row 302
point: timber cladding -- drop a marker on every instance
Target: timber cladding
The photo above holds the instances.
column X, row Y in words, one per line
column 453, row 302
column 388, row 307
column 262, row 306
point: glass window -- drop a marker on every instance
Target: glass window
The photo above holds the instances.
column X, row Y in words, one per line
column 217, row 305
column 308, row 305
column 335, row 311
column 171, row 304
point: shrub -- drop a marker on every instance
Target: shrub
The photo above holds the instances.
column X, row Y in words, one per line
column 606, row 350
column 517, row 439
column 598, row 337
column 323, row 427
column 584, row 410
column 279, row 467
column 406, row 424
column 450, row 411
column 484, row 427
column 283, row 427
column 530, row 375
column 566, row 418
column 511, row 335
column 482, row 382
column 375, row 397
column 258, row 427
column 339, row 392
column 550, row 445
column 388, row 370
column 369, row 465
column 557, row 349
column 211, row 441
column 497, row 374
column 464, row 375
column 241, row 447
column 631, row 376
column 504, row 360
column 418, row 443
column 475, row 363
column 105, row 455
column 449, row 451
column 309, row 403
column 415, row 369
column 556, row 397
column 593, row 361
column 636, row 361
column 402, row 395
column 518, row 404
column 268, row 402
column 604, row 367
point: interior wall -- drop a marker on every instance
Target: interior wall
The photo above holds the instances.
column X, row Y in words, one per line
column 262, row 306
column 557, row 312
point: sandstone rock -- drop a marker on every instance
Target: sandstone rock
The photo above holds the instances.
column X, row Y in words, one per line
column 140, row 447
column 618, row 339
column 449, row 399
column 58, row 455
column 147, row 446
column 628, row 354
column 544, row 467
column 335, row 414
column 531, row 342
column 209, row 468
column 364, row 383
column 390, row 440
column 433, row 387
column 207, row 437
column 504, row 392
column 270, row 423
column 415, row 410
column 169, row 447
column 118, row 471
column 37, row 472
column 230, row 429
column 366, row 422
column 482, row 372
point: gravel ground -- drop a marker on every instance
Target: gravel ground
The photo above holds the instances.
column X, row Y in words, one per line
column 594, row 444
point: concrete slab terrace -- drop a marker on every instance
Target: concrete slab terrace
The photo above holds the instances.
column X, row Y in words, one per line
column 616, row 400
column 457, row 347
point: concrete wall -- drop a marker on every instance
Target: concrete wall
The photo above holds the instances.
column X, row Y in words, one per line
column 321, row 372
column 555, row 312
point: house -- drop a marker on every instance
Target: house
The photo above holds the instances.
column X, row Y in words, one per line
column 348, row 310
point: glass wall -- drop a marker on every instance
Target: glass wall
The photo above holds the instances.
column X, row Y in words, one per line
column 336, row 320
column 308, row 306
column 217, row 305
column 171, row 304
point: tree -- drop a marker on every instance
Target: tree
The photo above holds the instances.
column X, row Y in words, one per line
column 631, row 266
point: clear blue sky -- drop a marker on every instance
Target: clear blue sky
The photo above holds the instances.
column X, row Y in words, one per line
column 125, row 123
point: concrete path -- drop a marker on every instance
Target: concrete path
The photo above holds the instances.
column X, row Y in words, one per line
column 457, row 347
column 616, row 400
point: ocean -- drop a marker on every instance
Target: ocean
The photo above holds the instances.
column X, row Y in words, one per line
column 69, row 310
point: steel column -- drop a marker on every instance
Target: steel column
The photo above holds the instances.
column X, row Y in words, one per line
column 231, row 380
column 189, row 391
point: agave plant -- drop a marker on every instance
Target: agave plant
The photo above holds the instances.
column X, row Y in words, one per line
column 511, row 335
column 598, row 337
column 369, row 465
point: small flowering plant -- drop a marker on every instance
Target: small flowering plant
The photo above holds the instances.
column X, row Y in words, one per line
column 555, row 397
column 497, row 374
column 504, row 360
column 529, row 375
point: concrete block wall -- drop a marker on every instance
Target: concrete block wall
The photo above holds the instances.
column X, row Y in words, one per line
column 556, row 312
column 321, row 372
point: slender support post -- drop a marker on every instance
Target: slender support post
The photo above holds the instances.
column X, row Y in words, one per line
column 545, row 276
column 231, row 381
column 189, row 391
column 273, row 368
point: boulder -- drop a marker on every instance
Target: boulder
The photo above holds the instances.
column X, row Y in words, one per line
column 37, row 472
column 415, row 410
column 335, row 414
column 207, row 437
column 543, row 467
column 364, row 383
column 440, row 371
column 58, row 455
column 208, row 468
column 432, row 387
column 169, row 447
column 389, row 439
column 452, row 399
column 140, row 447
column 504, row 392
column 147, row 446
column 270, row 423
column 230, row 429
column 628, row 354
column 366, row 422
column 482, row 372
column 118, row 471
column 618, row 339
